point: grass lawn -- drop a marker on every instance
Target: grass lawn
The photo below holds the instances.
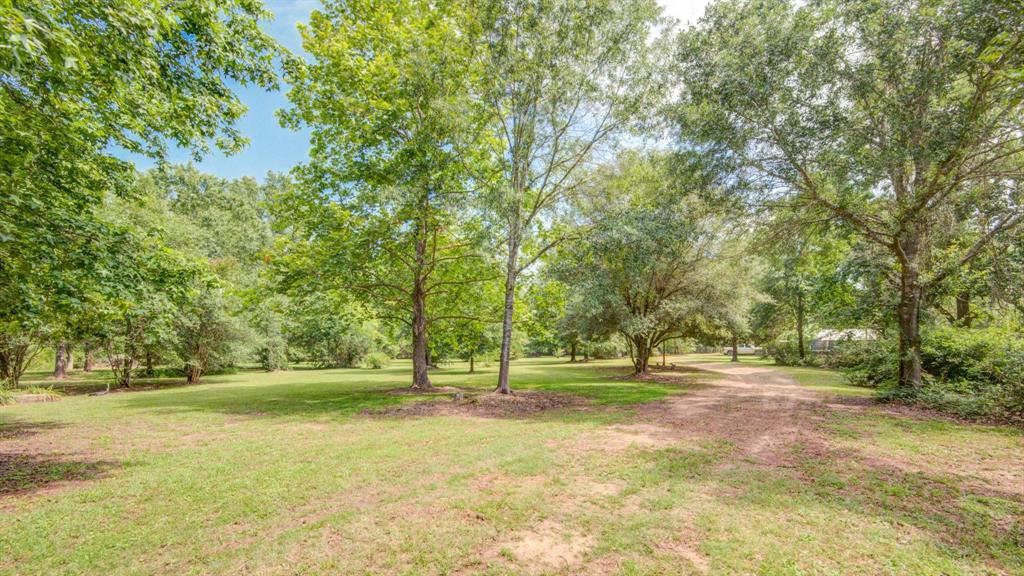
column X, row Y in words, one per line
column 294, row 473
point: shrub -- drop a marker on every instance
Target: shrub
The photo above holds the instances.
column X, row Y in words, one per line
column 43, row 393
column 335, row 341
column 972, row 373
column 6, row 396
column 787, row 354
column 273, row 355
column 870, row 363
column 376, row 360
column 613, row 347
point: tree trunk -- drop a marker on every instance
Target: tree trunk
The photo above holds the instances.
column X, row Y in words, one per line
column 149, row 365
column 60, row 361
column 87, row 359
column 506, row 323
column 420, row 353
column 15, row 357
column 471, row 367
column 963, row 309
column 800, row 325
column 663, row 361
column 735, row 345
column 193, row 373
column 420, row 361
column 909, row 317
column 126, row 371
column 641, row 360
column 572, row 352
column 586, row 354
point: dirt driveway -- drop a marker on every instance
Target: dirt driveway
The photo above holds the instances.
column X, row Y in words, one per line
column 769, row 419
column 762, row 412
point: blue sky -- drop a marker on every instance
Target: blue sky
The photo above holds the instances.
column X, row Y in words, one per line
column 275, row 148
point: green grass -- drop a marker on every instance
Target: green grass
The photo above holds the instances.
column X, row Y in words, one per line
column 283, row 473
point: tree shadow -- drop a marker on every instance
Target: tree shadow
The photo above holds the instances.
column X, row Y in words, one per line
column 286, row 399
column 24, row 473
column 958, row 520
column 965, row 519
column 22, row 429
column 316, row 396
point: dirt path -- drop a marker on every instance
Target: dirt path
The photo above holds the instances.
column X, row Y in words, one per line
column 760, row 411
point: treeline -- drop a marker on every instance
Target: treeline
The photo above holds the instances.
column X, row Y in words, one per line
column 493, row 178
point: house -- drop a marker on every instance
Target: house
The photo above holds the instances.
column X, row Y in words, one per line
column 826, row 340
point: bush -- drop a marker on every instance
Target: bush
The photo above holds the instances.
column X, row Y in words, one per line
column 870, row 363
column 971, row 373
column 614, row 347
column 273, row 355
column 974, row 373
column 42, row 393
column 6, row 396
column 334, row 341
column 376, row 360
column 46, row 391
column 788, row 354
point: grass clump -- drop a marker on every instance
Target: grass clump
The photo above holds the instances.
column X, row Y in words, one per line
column 376, row 361
column 45, row 391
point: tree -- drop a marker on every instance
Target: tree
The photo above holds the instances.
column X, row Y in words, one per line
column 545, row 300
column 735, row 295
column 330, row 331
column 803, row 279
column 396, row 140
column 564, row 78
column 206, row 336
column 879, row 114
column 137, row 313
column 81, row 80
column 17, row 350
column 649, row 265
column 223, row 221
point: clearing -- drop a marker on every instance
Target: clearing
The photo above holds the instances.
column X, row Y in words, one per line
column 712, row 468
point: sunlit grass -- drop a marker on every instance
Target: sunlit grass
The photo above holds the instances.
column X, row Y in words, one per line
column 283, row 473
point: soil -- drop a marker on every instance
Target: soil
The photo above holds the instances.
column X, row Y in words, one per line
column 548, row 545
column 771, row 420
column 485, row 405
column 758, row 411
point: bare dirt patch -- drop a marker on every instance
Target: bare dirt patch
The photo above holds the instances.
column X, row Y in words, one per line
column 686, row 549
column 761, row 412
column 519, row 405
column 501, row 482
column 597, row 488
column 549, row 545
column 627, row 436
column 407, row 391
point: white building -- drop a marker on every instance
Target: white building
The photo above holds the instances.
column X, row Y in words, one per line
column 825, row 340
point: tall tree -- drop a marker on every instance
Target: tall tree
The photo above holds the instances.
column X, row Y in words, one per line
column 651, row 262
column 565, row 77
column 395, row 147
column 82, row 78
column 878, row 113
